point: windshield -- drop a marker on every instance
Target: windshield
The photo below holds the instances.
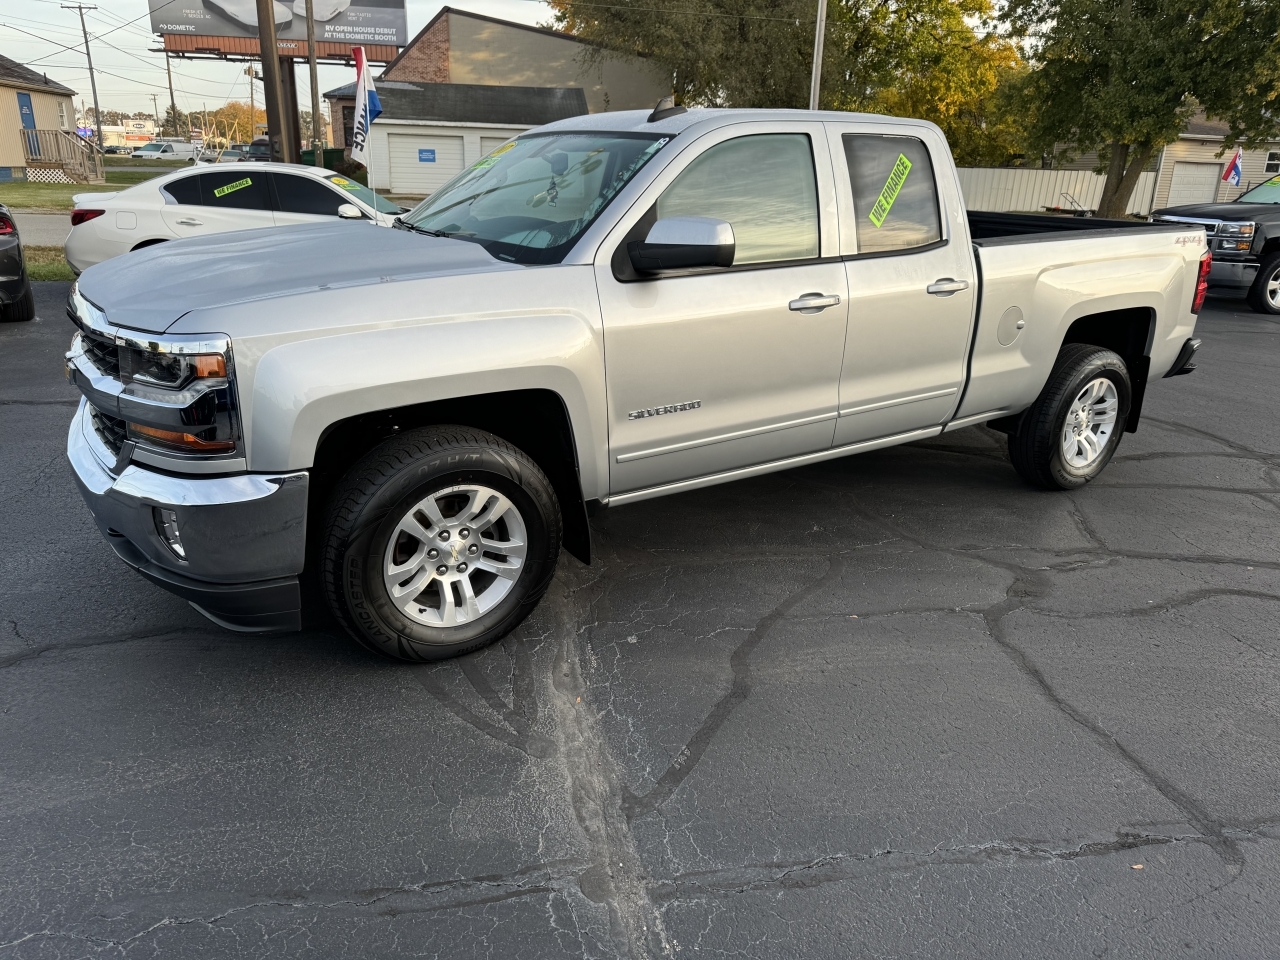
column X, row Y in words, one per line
column 150, row 148
column 1266, row 192
column 259, row 151
column 364, row 194
column 530, row 200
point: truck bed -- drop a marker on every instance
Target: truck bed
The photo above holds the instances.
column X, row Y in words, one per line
column 988, row 229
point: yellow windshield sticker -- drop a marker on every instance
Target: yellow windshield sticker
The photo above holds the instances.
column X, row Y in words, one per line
column 892, row 187
column 232, row 187
column 1274, row 180
column 344, row 183
column 492, row 158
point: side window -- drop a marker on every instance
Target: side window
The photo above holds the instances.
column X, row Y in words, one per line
column 235, row 189
column 167, row 148
column 895, row 198
column 764, row 185
column 184, row 190
column 304, row 195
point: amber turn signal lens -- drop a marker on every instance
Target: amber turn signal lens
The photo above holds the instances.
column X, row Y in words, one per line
column 209, row 365
column 183, row 441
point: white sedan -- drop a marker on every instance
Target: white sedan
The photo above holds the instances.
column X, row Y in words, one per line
column 194, row 202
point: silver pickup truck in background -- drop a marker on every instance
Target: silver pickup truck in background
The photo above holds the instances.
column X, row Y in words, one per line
column 607, row 309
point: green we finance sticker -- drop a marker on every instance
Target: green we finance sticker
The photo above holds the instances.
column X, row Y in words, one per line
column 892, row 187
column 240, row 185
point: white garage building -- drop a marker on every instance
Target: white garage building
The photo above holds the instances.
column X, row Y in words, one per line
column 429, row 132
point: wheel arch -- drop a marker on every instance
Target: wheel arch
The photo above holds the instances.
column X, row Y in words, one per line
column 1129, row 332
column 535, row 420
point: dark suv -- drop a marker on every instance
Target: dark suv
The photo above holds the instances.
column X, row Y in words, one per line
column 1244, row 236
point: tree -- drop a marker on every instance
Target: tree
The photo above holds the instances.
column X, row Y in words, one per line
column 961, row 83
column 175, row 125
column 1123, row 76
column 759, row 53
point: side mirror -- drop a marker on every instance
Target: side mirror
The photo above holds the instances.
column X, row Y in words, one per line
column 349, row 211
column 678, row 243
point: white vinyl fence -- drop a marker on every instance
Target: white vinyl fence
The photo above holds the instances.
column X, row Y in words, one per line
column 1026, row 190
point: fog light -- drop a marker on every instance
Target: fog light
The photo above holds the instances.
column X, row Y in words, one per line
column 167, row 527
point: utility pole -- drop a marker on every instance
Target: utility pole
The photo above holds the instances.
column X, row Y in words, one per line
column 97, row 112
column 253, row 104
column 173, row 104
column 317, row 143
column 155, row 109
column 282, row 151
column 815, row 85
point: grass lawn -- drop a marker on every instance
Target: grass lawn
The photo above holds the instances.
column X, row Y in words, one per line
column 56, row 197
column 46, row 263
column 123, row 160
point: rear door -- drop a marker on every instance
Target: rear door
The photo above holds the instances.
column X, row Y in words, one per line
column 217, row 201
column 911, row 275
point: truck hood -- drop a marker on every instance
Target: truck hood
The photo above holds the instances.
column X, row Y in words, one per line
column 1257, row 212
column 150, row 289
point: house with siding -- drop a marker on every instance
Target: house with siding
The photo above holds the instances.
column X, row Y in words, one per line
column 1190, row 169
column 29, row 102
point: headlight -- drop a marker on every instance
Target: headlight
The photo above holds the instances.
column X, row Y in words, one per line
column 1236, row 230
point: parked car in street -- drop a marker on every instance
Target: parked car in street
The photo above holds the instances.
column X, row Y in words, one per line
column 607, row 309
column 220, row 156
column 113, row 151
column 258, row 149
column 1244, row 235
column 188, row 203
column 165, row 150
column 17, row 302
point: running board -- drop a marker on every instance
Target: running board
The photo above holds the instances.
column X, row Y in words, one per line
column 648, row 493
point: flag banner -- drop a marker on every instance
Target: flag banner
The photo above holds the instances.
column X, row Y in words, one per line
column 1234, row 172
column 367, row 109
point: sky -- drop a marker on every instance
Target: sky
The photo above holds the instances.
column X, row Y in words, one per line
column 38, row 32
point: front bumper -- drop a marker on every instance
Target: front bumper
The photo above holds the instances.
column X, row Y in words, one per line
column 1232, row 273
column 243, row 536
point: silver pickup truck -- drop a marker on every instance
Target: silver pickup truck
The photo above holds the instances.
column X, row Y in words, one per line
column 603, row 310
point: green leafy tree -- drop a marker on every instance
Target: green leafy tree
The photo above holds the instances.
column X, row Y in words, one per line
column 175, row 125
column 759, row 53
column 1123, row 76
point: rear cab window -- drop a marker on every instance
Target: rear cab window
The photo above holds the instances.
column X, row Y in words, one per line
column 895, row 194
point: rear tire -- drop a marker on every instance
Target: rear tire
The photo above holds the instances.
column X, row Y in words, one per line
column 439, row 542
column 22, row 309
column 1070, row 433
column 1264, row 294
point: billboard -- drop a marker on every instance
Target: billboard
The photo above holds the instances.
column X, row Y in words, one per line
column 337, row 21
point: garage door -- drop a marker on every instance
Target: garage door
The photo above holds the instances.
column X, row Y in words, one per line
column 490, row 144
column 420, row 164
column 1194, row 183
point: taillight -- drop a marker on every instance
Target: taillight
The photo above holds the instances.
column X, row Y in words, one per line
column 80, row 216
column 6, row 226
column 1202, row 282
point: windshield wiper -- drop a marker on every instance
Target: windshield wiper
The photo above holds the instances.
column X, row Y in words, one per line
column 406, row 225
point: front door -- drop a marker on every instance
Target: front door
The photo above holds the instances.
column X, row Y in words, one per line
column 28, row 116
column 722, row 369
column 911, row 284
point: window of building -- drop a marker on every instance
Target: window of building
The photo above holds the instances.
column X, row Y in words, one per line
column 895, row 198
column 1273, row 161
column 763, row 185
column 62, row 115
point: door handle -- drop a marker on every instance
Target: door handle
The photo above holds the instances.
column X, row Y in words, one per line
column 946, row 287
column 813, row 302
column 191, row 222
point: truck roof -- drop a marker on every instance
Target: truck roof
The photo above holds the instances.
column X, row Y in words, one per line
column 637, row 121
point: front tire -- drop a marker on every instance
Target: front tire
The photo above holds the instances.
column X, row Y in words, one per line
column 1264, row 293
column 439, row 542
column 1070, row 433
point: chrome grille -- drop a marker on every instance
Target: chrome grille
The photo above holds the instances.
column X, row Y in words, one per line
column 109, row 429
column 102, row 353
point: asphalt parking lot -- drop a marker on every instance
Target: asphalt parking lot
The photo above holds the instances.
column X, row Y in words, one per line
column 897, row 705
